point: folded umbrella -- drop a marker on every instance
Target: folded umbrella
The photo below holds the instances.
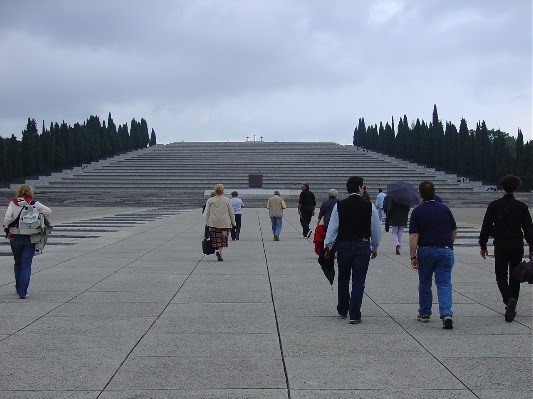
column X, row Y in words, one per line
column 403, row 193
column 327, row 263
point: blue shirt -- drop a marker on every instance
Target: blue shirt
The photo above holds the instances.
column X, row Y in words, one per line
column 236, row 204
column 433, row 222
column 333, row 228
column 379, row 199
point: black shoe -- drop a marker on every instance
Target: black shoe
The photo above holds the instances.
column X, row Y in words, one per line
column 219, row 257
column 447, row 322
column 423, row 318
column 510, row 310
column 355, row 321
column 237, row 237
column 308, row 234
column 343, row 315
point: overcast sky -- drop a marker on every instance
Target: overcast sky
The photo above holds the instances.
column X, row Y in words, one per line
column 287, row 70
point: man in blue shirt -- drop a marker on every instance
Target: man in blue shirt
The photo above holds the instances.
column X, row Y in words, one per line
column 432, row 232
column 357, row 242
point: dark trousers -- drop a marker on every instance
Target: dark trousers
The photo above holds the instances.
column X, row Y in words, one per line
column 505, row 261
column 353, row 258
column 306, row 214
column 235, row 231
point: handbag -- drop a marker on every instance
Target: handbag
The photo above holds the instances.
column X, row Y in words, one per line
column 207, row 248
column 387, row 224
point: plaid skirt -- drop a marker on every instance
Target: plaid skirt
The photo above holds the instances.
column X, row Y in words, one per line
column 219, row 237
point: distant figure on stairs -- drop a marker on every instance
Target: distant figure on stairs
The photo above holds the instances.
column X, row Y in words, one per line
column 306, row 209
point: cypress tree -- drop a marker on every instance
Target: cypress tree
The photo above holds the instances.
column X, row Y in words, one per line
column 145, row 138
column 153, row 138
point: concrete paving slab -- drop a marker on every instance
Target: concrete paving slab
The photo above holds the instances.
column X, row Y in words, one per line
column 367, row 371
column 90, row 325
column 499, row 394
column 198, row 373
column 382, row 394
column 492, row 372
column 196, row 394
column 205, row 345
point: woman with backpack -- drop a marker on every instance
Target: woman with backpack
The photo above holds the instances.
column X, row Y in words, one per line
column 21, row 244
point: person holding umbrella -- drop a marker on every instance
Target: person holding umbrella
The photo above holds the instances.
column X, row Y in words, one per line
column 356, row 244
column 401, row 196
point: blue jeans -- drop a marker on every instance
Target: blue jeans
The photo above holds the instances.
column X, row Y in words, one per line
column 276, row 224
column 23, row 251
column 353, row 258
column 439, row 261
column 380, row 214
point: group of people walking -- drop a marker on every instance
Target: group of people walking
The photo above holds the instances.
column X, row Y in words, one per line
column 353, row 235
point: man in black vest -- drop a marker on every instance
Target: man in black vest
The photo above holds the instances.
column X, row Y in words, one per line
column 355, row 225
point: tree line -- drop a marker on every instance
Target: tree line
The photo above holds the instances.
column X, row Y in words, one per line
column 62, row 146
column 479, row 154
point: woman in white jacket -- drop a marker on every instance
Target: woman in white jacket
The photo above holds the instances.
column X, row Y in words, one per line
column 21, row 246
column 220, row 218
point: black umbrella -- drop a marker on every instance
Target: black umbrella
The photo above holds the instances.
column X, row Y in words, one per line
column 403, row 193
column 326, row 259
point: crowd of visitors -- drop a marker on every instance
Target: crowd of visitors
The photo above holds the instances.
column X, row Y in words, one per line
column 350, row 231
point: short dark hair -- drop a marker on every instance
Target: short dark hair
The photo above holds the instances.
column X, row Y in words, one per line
column 426, row 190
column 353, row 184
column 380, row 190
column 234, row 194
column 305, row 185
column 510, row 183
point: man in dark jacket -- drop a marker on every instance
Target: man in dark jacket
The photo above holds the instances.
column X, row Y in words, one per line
column 306, row 209
column 508, row 221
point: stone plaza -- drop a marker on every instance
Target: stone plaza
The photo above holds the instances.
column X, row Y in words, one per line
column 123, row 304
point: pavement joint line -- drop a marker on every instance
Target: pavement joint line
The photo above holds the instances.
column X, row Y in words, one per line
column 98, row 282
column 460, row 293
column 274, row 308
column 158, row 316
column 421, row 345
column 96, row 249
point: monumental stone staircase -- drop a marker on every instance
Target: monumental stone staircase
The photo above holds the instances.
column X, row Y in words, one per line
column 184, row 173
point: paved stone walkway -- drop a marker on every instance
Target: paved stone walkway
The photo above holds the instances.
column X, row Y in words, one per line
column 127, row 307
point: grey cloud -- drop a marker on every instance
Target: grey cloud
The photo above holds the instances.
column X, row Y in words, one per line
column 285, row 68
